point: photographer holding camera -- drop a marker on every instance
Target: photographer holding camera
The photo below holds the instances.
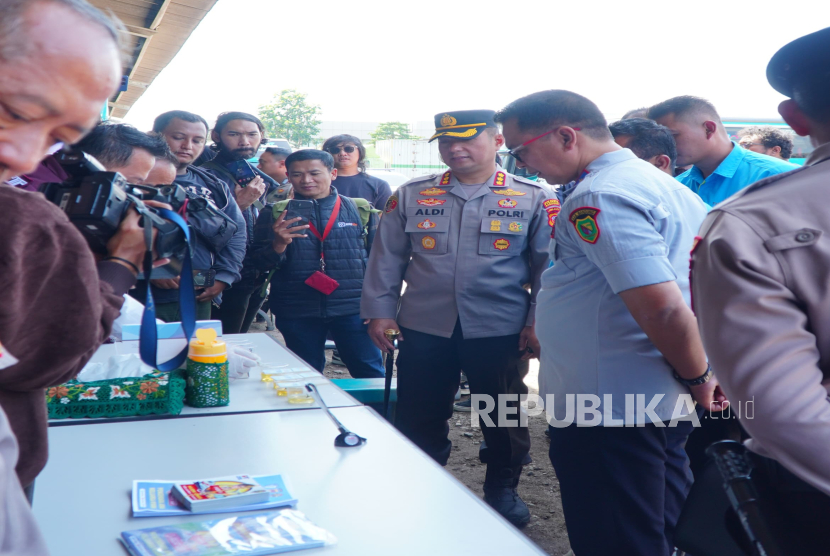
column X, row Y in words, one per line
column 59, row 62
column 217, row 257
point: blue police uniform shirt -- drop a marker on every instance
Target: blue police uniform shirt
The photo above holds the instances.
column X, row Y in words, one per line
column 625, row 225
column 738, row 170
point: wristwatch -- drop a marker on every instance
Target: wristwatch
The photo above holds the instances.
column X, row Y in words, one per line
column 702, row 379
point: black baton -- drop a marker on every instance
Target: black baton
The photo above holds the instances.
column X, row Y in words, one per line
column 391, row 335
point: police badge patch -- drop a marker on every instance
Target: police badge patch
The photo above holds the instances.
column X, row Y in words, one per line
column 501, row 244
column 584, row 220
column 552, row 207
column 428, row 242
column 391, row 203
column 510, row 192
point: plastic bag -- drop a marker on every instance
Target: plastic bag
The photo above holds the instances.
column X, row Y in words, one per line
column 131, row 313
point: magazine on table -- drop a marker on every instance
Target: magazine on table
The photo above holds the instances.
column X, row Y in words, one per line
column 156, row 498
column 252, row 535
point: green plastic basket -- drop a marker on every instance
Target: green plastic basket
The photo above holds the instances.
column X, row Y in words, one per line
column 157, row 393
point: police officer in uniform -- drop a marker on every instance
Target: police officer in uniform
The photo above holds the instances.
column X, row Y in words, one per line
column 471, row 244
column 760, row 282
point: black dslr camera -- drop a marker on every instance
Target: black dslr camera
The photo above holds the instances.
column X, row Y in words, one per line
column 96, row 201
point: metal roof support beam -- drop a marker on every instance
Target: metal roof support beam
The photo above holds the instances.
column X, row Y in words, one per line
column 160, row 14
column 140, row 31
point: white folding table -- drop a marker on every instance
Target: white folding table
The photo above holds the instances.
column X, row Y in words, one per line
column 385, row 497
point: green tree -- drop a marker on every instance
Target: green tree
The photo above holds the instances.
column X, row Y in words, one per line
column 391, row 130
column 290, row 116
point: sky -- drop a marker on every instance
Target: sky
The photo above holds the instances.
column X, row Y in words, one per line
column 392, row 60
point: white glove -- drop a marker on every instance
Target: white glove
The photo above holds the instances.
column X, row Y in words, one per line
column 240, row 362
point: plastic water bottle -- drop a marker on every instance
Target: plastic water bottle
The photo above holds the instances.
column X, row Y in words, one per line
column 207, row 371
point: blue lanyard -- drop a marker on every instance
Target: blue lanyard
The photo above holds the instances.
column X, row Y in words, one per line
column 148, row 343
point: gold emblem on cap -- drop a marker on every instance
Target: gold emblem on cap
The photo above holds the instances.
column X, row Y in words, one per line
column 448, row 120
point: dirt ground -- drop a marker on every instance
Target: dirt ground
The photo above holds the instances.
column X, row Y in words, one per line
column 538, row 487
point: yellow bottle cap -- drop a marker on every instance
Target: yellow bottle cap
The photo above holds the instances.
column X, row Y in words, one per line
column 205, row 344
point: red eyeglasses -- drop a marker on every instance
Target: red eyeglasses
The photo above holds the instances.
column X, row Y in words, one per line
column 512, row 152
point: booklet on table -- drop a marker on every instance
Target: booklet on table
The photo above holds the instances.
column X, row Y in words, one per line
column 251, row 535
column 156, row 498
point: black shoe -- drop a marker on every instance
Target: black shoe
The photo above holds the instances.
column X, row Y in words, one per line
column 464, row 388
column 507, row 502
column 465, row 406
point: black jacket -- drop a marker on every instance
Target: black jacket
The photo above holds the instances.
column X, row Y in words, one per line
column 216, row 167
column 227, row 262
column 346, row 253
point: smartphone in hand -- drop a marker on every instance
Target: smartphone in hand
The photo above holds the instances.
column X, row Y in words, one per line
column 299, row 208
column 242, row 171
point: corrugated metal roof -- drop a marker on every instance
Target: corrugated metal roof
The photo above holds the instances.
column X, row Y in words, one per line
column 158, row 29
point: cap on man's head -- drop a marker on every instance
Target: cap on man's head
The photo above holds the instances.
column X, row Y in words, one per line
column 463, row 124
column 804, row 60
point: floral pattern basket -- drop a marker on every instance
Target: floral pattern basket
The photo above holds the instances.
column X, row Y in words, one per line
column 120, row 397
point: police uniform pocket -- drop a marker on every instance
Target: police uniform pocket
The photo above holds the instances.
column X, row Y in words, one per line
column 502, row 237
column 428, row 234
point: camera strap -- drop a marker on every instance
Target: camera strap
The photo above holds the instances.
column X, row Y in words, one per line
column 148, row 342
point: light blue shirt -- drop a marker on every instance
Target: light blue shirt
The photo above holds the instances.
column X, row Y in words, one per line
column 738, row 170
column 625, row 225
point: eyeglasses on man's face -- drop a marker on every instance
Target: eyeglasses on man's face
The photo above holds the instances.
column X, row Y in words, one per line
column 513, row 152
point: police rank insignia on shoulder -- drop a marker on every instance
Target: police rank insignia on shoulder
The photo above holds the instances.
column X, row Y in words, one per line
column 508, row 203
column 431, row 202
column 509, row 191
column 433, row 191
column 445, row 179
column 499, row 179
column 584, row 220
column 552, row 207
column 501, row 244
column 428, row 242
column 391, row 203
column 495, row 225
column 427, row 224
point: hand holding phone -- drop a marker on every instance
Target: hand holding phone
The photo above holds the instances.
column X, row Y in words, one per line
column 298, row 208
column 242, row 171
column 285, row 230
column 247, row 195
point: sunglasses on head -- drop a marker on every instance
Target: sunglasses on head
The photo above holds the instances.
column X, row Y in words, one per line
column 348, row 148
